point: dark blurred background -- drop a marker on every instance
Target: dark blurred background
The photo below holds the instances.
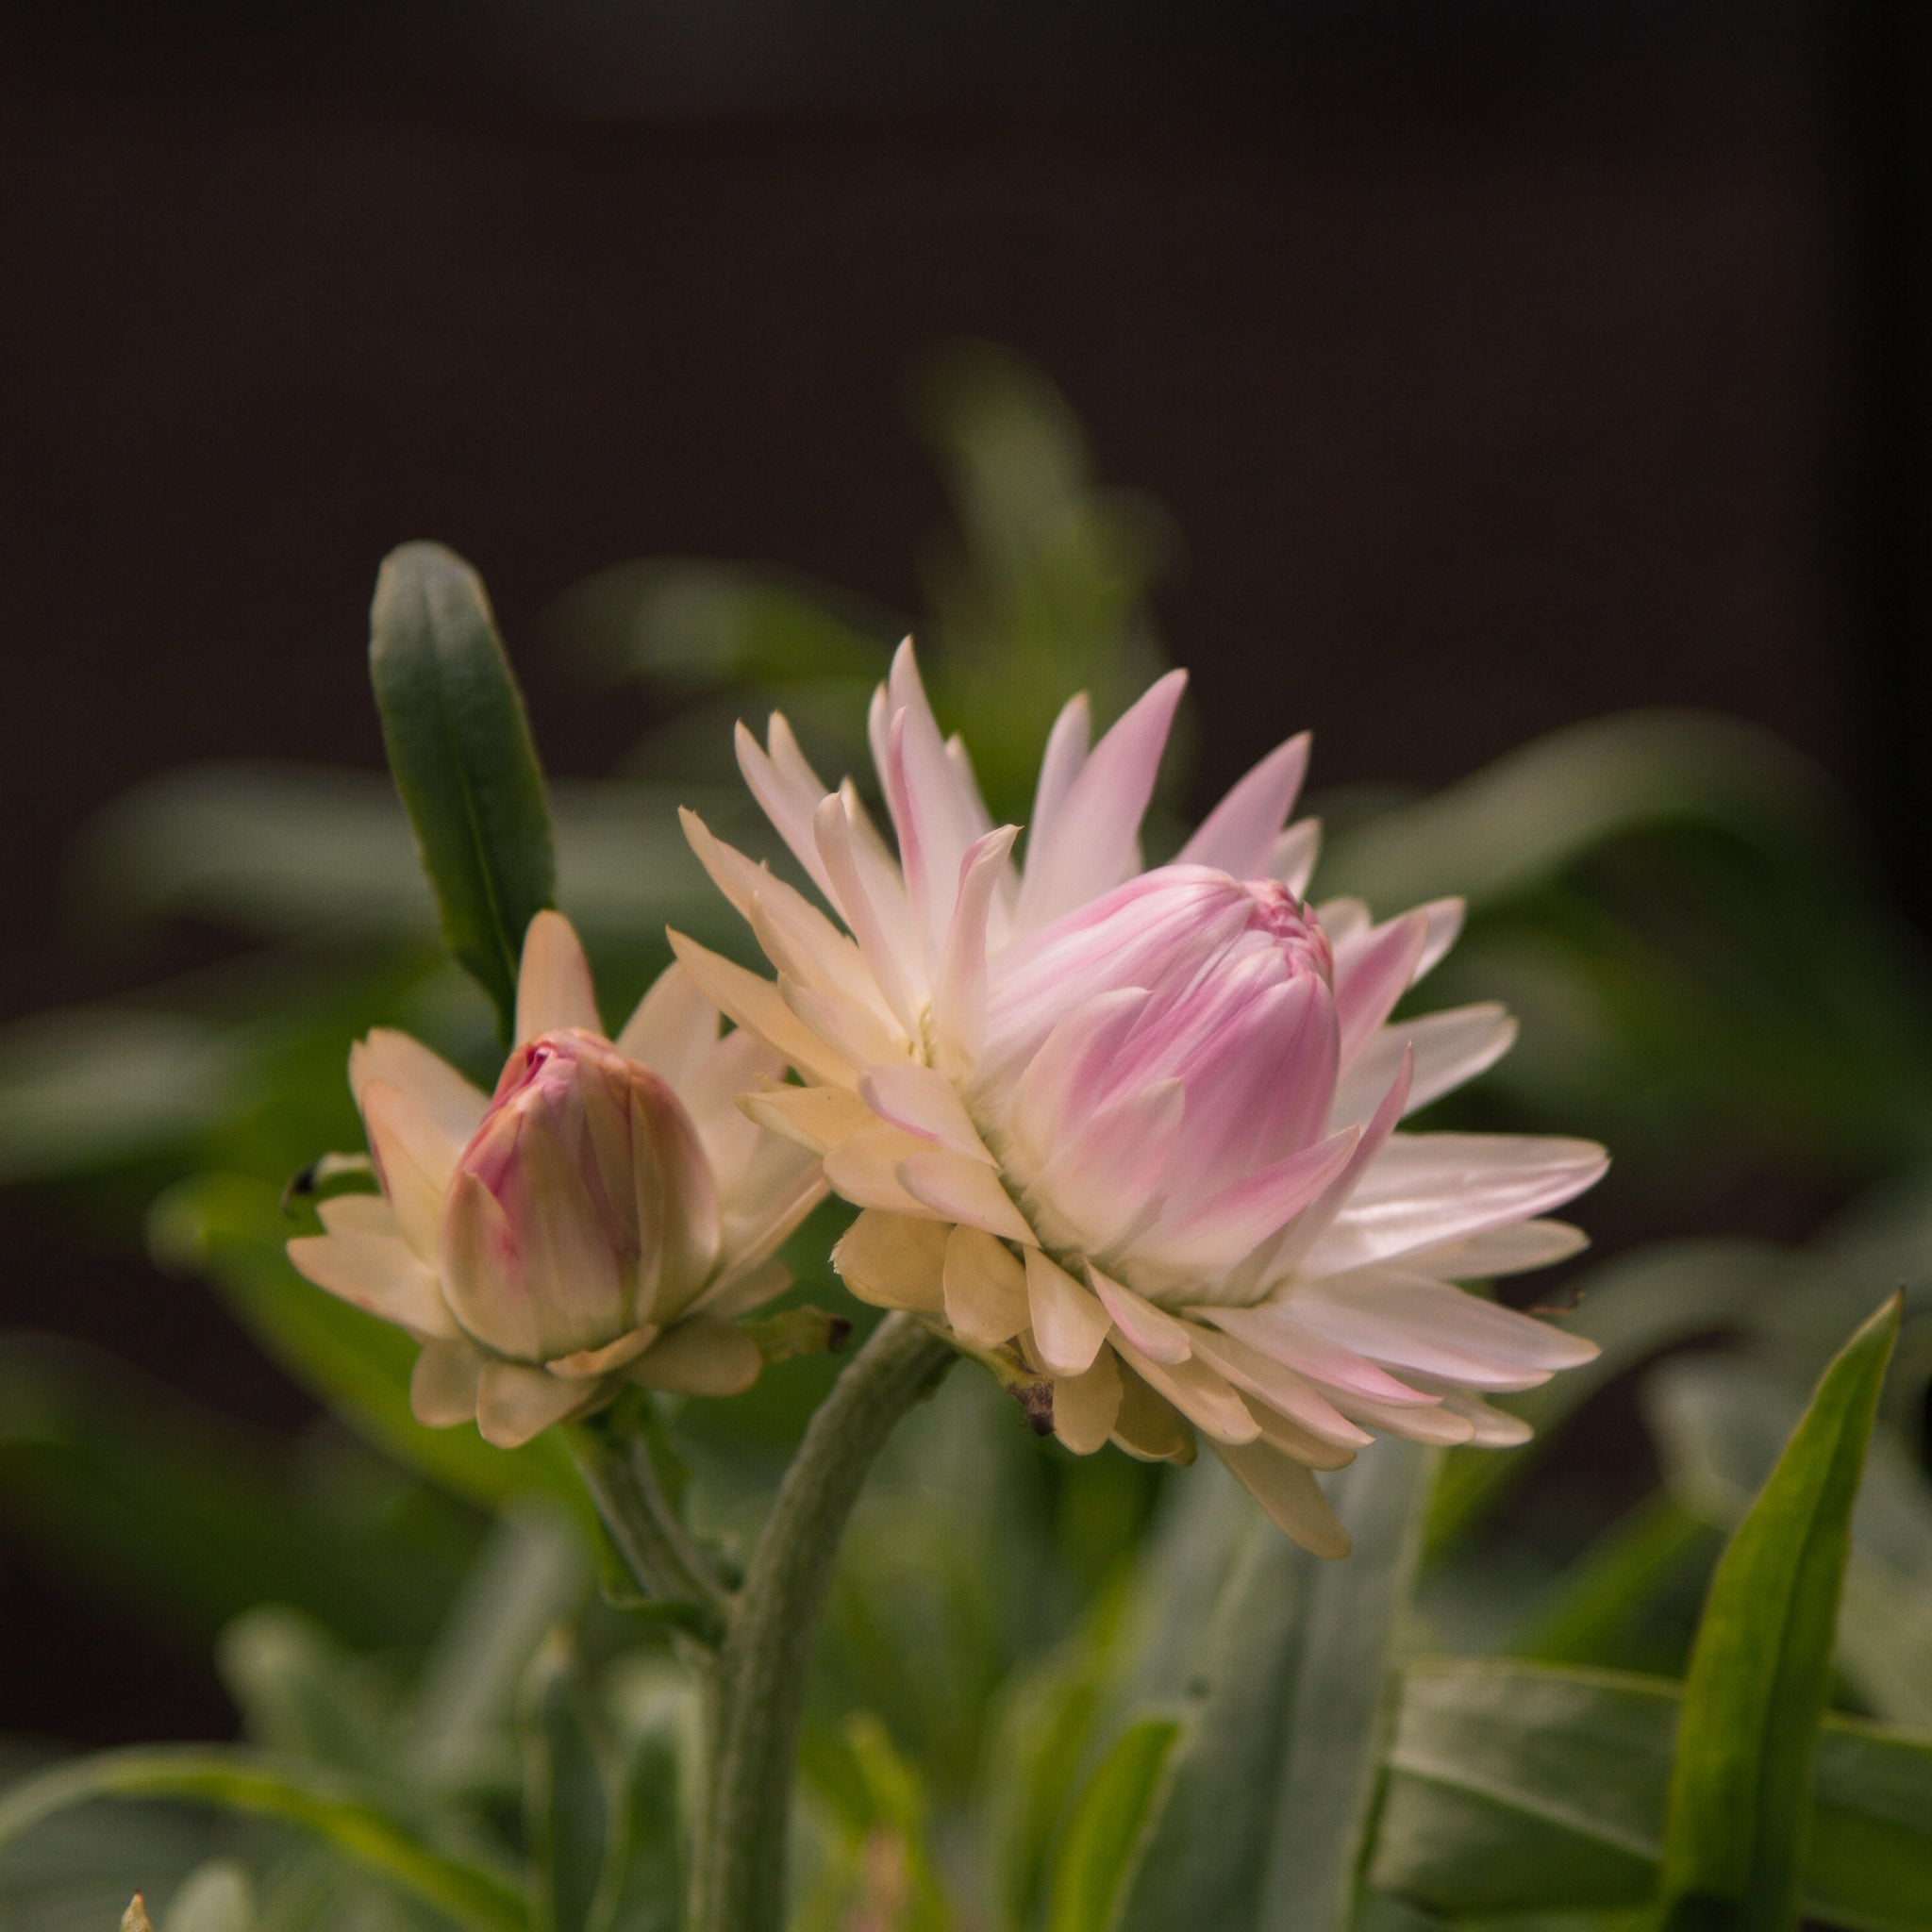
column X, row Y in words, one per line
column 1495, row 366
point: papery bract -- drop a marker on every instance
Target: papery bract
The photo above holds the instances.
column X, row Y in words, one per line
column 1135, row 1133
column 601, row 1216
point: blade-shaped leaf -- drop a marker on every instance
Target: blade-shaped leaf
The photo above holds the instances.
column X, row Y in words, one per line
column 1274, row 1780
column 459, row 748
column 1527, row 1788
column 349, row 1817
column 1760, row 1670
column 1102, row 1844
column 642, row 1889
column 566, row 1798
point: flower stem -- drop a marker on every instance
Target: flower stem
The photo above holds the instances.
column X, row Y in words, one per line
column 738, row 1880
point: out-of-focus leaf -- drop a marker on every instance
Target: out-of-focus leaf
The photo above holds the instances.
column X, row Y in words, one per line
column 1633, row 1307
column 1271, row 1788
column 230, row 1228
column 1755, row 1695
column 1100, row 1849
column 303, row 1696
column 353, row 1820
column 294, row 851
column 1588, row 1614
column 460, row 750
column 189, row 1517
column 898, row 1884
column 1523, row 1788
column 80, row 1089
column 1720, row 1423
column 215, row 1897
column 643, row 1889
column 566, row 1794
column 532, row 1575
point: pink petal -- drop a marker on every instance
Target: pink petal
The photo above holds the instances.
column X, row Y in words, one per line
column 1509, row 1250
column 1372, row 972
column 789, row 790
column 924, row 1103
column 873, row 905
column 1450, row 1048
column 958, row 1004
column 1271, row 1331
column 1152, row 1330
column 1066, row 757
column 1239, row 834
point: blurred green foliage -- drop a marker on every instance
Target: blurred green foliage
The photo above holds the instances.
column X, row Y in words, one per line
column 1055, row 1695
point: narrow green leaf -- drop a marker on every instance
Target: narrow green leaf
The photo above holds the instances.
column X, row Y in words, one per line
column 1760, row 1668
column 347, row 1816
column 1272, row 1784
column 566, row 1794
column 1100, row 1851
column 215, row 1897
column 1525, row 1788
column 459, row 748
column 642, row 1889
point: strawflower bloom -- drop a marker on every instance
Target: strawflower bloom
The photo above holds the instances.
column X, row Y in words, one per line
column 602, row 1217
column 1131, row 1136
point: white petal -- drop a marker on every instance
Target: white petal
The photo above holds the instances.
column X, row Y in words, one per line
column 1203, row 1394
column 1292, row 862
column 1093, row 840
column 1510, row 1250
column 1273, row 1334
column 1436, row 1424
column 1424, row 1190
column 1410, row 1321
column 963, row 1190
column 813, row 1117
column 757, row 1005
column 736, row 1293
column 443, row 1384
column 378, row 1272
column 1343, row 919
column 427, row 1078
column 1446, row 926
column 1276, row 1389
column 553, row 988
column 959, row 1002
column 864, row 1170
column 513, row 1402
column 1292, row 1440
column 1065, row 758
column 673, row 1029
column 359, row 1214
column 874, row 903
column 415, row 1157
column 1069, row 1322
column 985, row 1289
column 1152, row 1330
column 1450, row 1048
column 922, row 1103
column 1238, row 835
column 789, row 792
column 1085, row 1407
column 1100, row 1184
column 857, row 1032
column 1496, row 1428
column 894, row 1262
column 1290, row 1494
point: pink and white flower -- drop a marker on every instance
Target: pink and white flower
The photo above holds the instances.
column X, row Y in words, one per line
column 1132, row 1136
column 601, row 1216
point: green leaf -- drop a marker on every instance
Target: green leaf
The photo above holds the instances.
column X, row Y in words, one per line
column 215, row 1897
column 459, row 748
column 642, row 1889
column 230, row 1228
column 1760, row 1668
column 1272, row 1786
column 1524, row 1787
column 353, row 1820
column 1102, row 1845
column 566, row 1796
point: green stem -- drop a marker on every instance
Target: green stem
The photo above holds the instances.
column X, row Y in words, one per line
column 738, row 1881
column 657, row 1548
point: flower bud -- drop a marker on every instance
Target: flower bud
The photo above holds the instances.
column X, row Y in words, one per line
column 582, row 1214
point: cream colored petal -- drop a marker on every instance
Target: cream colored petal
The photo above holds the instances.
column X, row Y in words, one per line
column 735, row 1294
column 1201, row 1395
column 375, row 1271
column 1069, row 1322
column 894, row 1262
column 924, row 1103
column 804, row 945
column 1508, row 1250
column 1494, row 1428
column 673, row 1029
column 1280, row 1388
column 1436, row 1423
column 963, row 1190
column 858, row 1031
column 815, row 1117
column 414, row 1160
column 359, row 1214
column 1085, row 1407
column 700, row 1357
column 872, row 895
column 788, row 789
column 553, row 988
column 1292, row 1440
column 985, row 1289
column 755, row 1004
column 1290, row 1494
column 865, row 1169
column 1152, row 1330
column 427, row 1078
column 443, row 1384
column 1149, row 1428
column 589, row 1363
column 513, row 1402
